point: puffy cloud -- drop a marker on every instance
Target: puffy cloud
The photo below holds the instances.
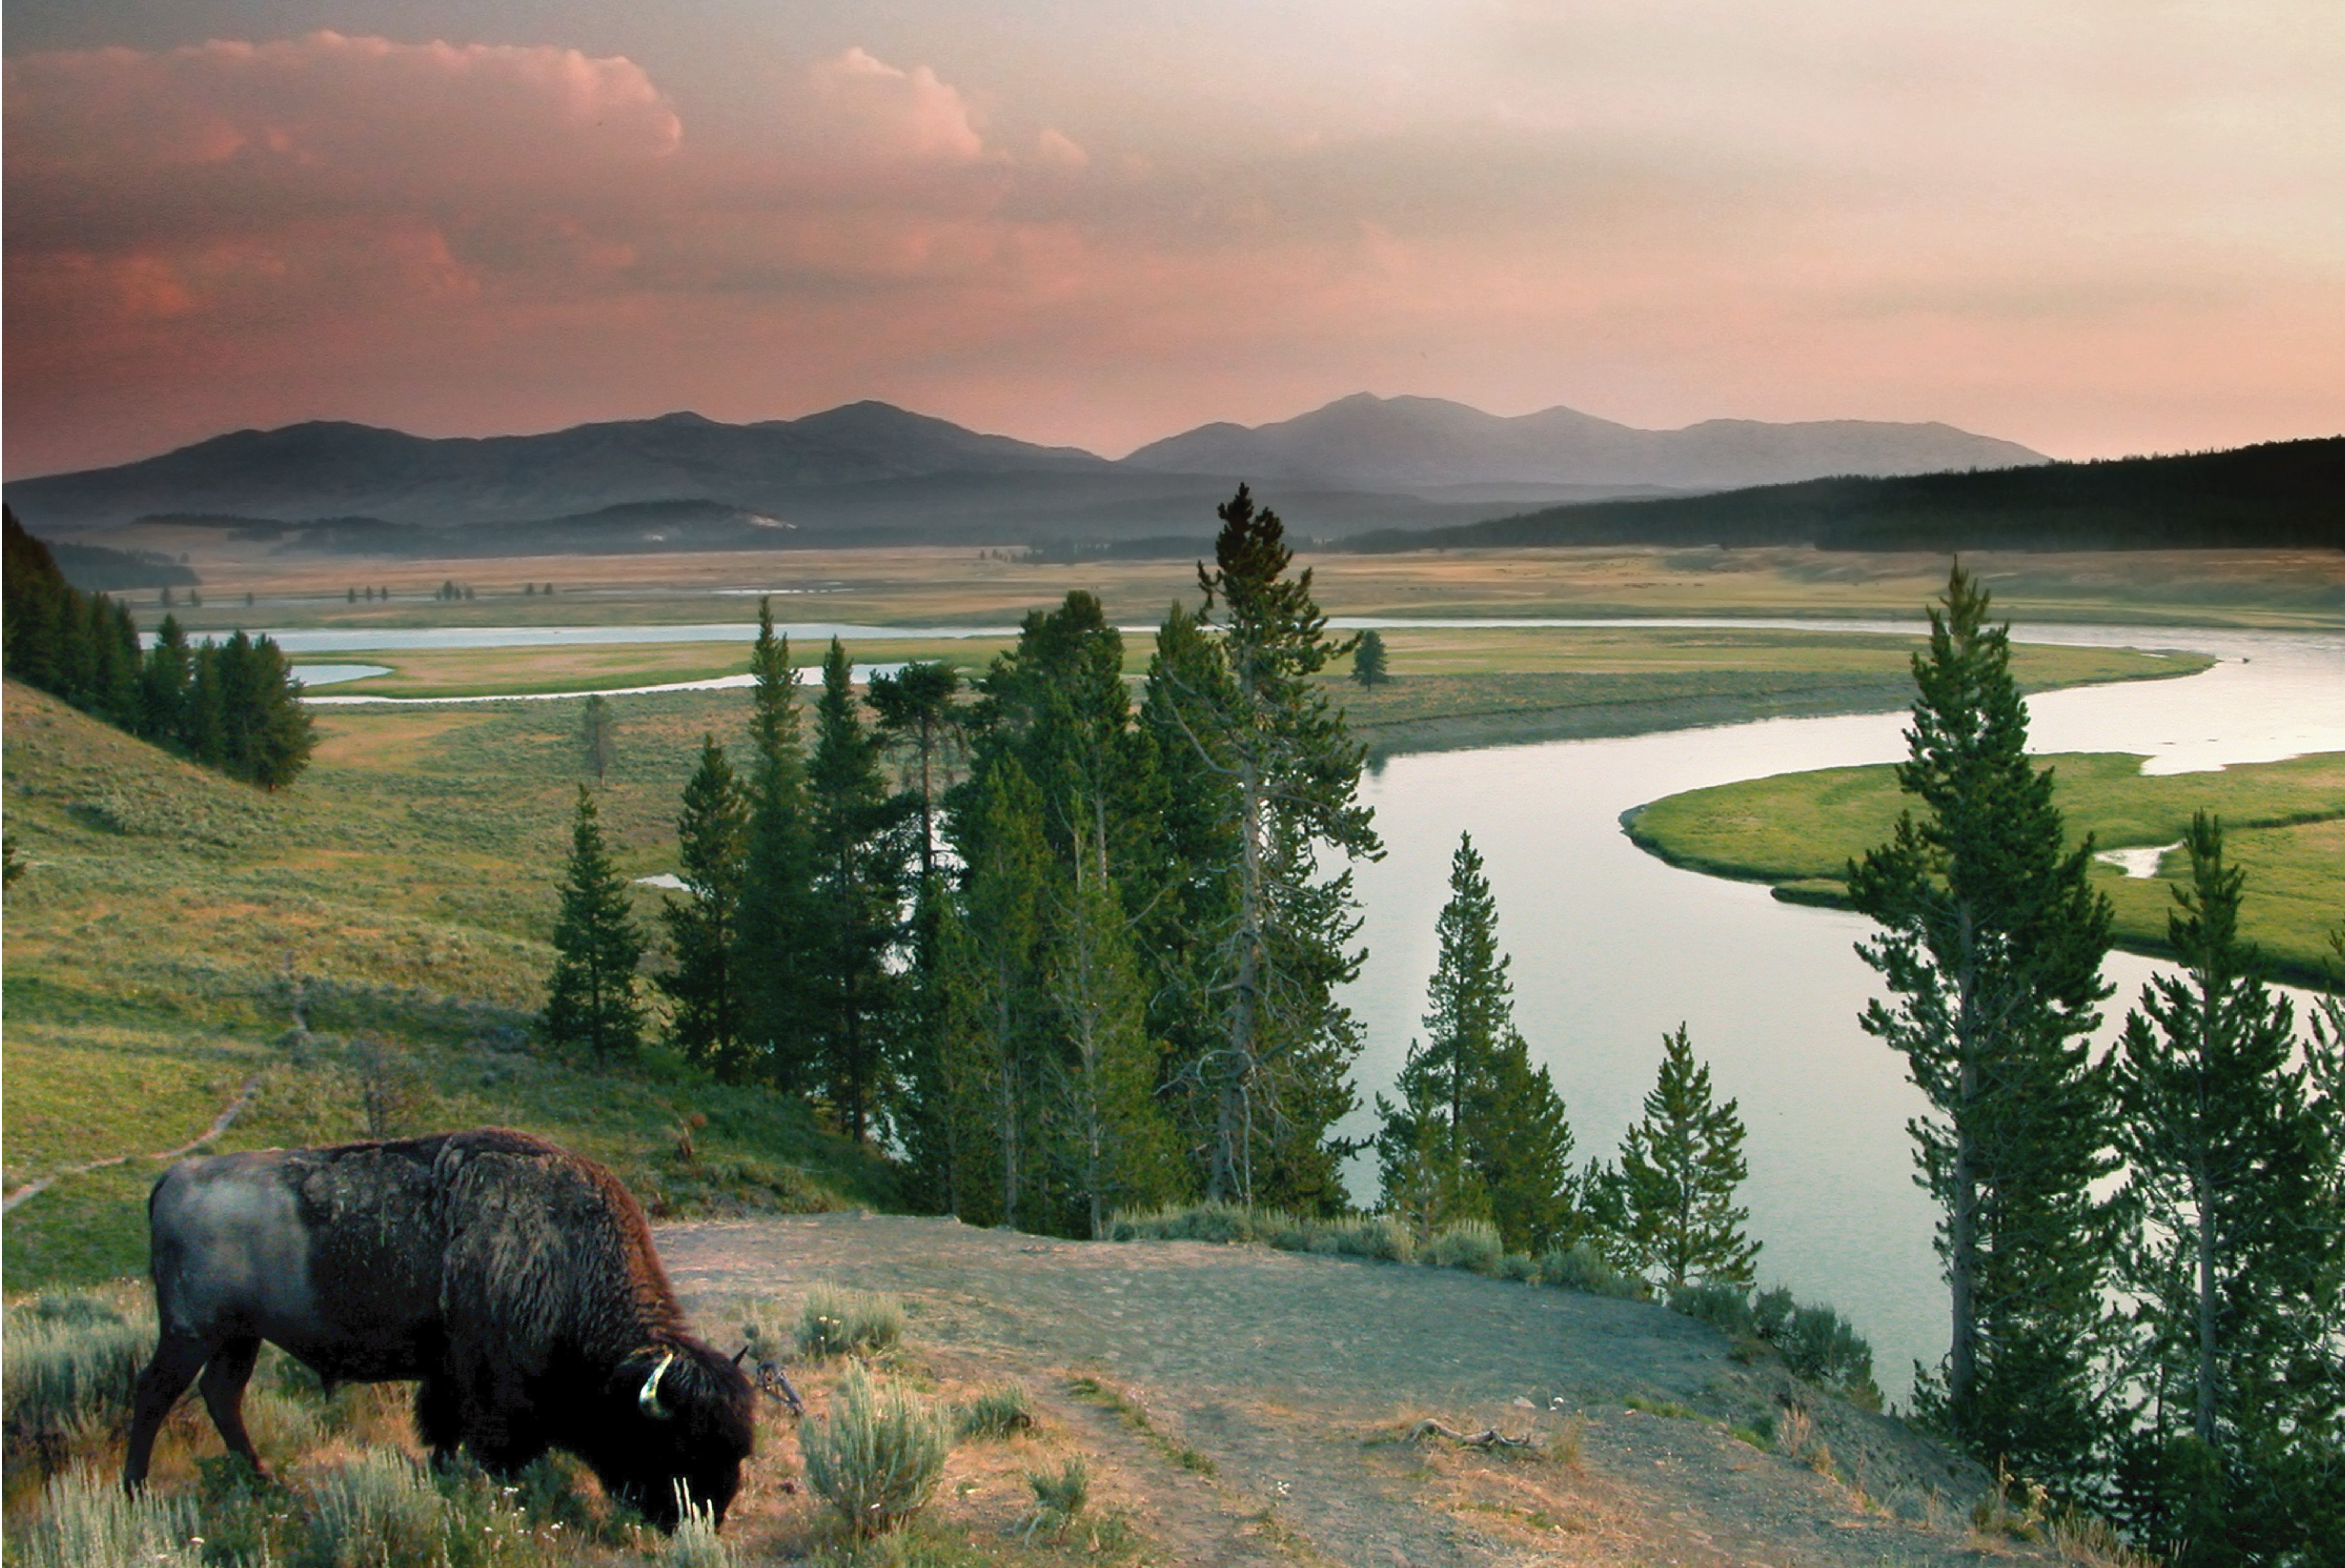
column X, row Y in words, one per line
column 338, row 120
column 2091, row 230
column 868, row 109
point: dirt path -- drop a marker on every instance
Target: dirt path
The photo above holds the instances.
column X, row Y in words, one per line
column 221, row 1123
column 1297, row 1376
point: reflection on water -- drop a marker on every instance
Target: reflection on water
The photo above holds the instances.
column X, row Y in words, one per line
column 1612, row 948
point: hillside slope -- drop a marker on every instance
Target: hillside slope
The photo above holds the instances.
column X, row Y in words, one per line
column 367, row 948
column 2277, row 495
column 1239, row 1405
column 872, row 473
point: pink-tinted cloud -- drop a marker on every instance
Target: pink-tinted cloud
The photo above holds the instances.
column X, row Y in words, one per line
column 236, row 130
column 2093, row 230
column 868, row 110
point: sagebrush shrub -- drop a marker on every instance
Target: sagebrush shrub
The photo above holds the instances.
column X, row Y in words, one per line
column 877, row 1456
column 69, row 1364
column 1720, row 1303
column 1465, row 1244
column 1825, row 1348
column 86, row 1521
column 1580, row 1267
column 695, row 1542
column 379, row 1508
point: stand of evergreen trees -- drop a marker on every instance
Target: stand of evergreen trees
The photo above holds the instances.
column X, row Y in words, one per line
column 1084, row 953
column 2169, row 1346
column 233, row 705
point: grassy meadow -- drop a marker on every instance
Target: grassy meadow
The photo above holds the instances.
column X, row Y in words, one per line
column 1452, row 687
column 956, row 587
column 2284, row 822
column 399, row 898
column 170, row 923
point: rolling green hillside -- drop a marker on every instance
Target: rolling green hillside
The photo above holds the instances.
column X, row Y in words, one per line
column 169, row 923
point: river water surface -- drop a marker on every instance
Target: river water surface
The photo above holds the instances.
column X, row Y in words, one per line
column 1612, row 947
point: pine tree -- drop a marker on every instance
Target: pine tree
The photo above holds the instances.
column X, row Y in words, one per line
column 258, row 731
column 1525, row 1152
column 1186, row 904
column 1479, row 1133
column 780, row 922
column 1288, row 776
column 2226, row 1145
column 1990, row 942
column 1678, row 1170
column 1052, row 729
column 704, row 929
column 1368, row 660
column 591, row 998
column 915, row 704
column 1120, row 1144
column 165, row 679
column 858, row 884
column 998, row 962
column 598, row 736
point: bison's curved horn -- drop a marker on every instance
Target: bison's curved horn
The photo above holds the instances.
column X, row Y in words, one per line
column 648, row 1400
column 739, row 1355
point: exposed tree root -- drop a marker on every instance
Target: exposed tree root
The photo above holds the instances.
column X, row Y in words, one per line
column 1488, row 1438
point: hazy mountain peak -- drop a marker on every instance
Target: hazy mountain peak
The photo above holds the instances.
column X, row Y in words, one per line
column 1422, row 444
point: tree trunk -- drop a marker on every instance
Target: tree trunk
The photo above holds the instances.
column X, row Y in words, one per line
column 1008, row 1082
column 1962, row 1229
column 1231, row 1124
column 2203, row 1417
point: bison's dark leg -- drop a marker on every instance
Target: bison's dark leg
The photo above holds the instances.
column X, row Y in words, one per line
column 225, row 1376
column 439, row 1418
column 178, row 1360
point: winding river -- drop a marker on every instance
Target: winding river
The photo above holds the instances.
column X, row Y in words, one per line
column 1611, row 947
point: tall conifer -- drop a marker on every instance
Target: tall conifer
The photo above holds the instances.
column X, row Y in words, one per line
column 858, row 885
column 703, row 928
column 1287, row 775
column 779, row 921
column 1991, row 943
column 998, row 958
column 591, row 1000
column 1679, row 1169
column 1119, row 1144
column 1478, row 1131
column 2228, row 1149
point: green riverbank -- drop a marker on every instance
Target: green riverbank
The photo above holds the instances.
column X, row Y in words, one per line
column 2284, row 822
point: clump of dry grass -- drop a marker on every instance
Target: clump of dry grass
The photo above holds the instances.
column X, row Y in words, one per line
column 998, row 1410
column 836, row 1322
column 1059, row 1498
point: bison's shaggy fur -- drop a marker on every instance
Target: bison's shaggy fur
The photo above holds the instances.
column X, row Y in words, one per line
column 514, row 1279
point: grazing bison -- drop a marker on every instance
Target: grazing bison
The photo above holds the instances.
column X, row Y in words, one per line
column 515, row 1279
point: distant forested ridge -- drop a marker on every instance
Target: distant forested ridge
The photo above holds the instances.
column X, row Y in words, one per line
column 103, row 570
column 233, row 705
column 2286, row 495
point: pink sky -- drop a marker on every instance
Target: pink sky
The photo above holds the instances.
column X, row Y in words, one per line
column 2105, row 227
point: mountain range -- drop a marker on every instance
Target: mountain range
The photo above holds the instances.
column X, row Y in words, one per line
column 871, row 473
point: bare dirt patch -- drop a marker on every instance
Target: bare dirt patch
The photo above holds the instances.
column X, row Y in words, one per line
column 1250, row 1406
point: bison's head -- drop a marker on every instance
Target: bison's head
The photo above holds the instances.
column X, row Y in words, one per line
column 687, row 1419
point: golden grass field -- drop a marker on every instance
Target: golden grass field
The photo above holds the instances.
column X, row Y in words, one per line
column 962, row 586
